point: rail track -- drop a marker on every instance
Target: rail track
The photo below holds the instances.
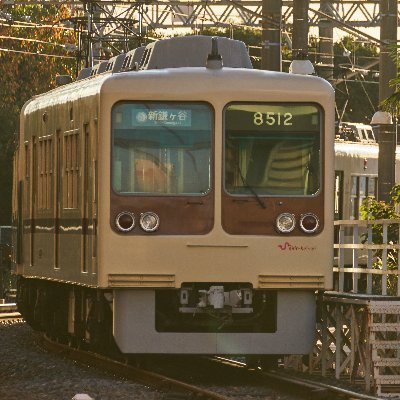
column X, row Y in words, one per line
column 319, row 389
column 164, row 384
column 174, row 388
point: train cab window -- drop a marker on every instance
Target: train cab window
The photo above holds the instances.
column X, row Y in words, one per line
column 272, row 149
column 162, row 148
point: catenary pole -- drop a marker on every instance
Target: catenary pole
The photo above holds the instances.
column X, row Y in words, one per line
column 271, row 55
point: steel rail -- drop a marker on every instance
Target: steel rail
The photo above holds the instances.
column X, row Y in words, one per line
column 307, row 383
column 118, row 368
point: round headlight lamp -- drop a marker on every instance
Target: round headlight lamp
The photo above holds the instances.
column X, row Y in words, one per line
column 309, row 223
column 125, row 221
column 285, row 222
column 149, row 221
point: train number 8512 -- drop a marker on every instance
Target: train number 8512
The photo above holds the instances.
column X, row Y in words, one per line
column 272, row 118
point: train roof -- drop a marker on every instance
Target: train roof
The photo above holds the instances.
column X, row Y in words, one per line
column 183, row 59
column 176, row 52
column 356, row 149
column 188, row 79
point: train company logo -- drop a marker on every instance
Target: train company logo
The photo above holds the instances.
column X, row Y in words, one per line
column 141, row 117
column 291, row 247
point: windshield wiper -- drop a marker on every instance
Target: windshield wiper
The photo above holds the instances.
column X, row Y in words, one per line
column 258, row 198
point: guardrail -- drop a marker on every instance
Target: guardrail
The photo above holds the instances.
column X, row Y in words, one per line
column 358, row 329
column 368, row 259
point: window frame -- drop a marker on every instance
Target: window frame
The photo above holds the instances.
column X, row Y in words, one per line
column 321, row 149
column 166, row 195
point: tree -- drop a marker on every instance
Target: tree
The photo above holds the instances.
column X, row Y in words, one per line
column 373, row 210
column 392, row 103
column 35, row 55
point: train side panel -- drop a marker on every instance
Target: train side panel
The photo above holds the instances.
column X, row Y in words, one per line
column 57, row 175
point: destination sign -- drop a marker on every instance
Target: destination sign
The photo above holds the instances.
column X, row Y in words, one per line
column 272, row 117
column 163, row 117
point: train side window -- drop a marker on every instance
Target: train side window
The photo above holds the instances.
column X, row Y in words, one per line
column 362, row 193
column 338, row 195
column 354, row 198
column 27, row 161
column 71, row 167
column 27, row 176
column 361, row 188
column 362, row 185
column 45, row 173
column 372, row 186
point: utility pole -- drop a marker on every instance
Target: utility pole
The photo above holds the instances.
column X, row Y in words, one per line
column 387, row 71
column 271, row 55
column 300, row 30
column 326, row 41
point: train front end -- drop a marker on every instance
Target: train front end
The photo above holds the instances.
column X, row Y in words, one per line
column 215, row 209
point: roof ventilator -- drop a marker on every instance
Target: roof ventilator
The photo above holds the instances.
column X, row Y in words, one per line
column 214, row 60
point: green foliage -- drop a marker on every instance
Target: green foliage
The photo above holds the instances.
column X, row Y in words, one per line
column 374, row 210
column 29, row 69
column 392, row 103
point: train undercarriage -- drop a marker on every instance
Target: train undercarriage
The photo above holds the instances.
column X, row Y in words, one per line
column 137, row 324
column 74, row 315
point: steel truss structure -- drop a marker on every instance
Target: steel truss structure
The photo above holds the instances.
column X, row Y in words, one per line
column 168, row 14
column 106, row 25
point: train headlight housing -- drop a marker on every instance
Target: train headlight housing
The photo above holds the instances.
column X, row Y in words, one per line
column 285, row 222
column 309, row 223
column 125, row 221
column 149, row 221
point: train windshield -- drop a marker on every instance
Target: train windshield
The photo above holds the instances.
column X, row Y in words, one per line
column 272, row 149
column 162, row 148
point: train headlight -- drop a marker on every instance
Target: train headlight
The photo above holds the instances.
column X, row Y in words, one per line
column 285, row 222
column 125, row 221
column 149, row 221
column 309, row 223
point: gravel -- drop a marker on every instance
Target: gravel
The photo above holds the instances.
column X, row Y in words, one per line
column 27, row 372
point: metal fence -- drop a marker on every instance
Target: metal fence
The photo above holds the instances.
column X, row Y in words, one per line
column 367, row 257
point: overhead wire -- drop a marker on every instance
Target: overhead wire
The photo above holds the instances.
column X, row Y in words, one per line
column 31, row 40
column 23, row 24
column 35, row 53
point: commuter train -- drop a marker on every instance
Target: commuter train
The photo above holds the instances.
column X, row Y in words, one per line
column 174, row 200
column 356, row 169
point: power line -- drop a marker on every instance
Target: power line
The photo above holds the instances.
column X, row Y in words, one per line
column 34, row 53
column 31, row 40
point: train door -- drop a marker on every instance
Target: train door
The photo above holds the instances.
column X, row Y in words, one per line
column 57, row 196
column 86, row 242
column 26, row 203
column 338, row 204
column 33, row 199
column 94, row 195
